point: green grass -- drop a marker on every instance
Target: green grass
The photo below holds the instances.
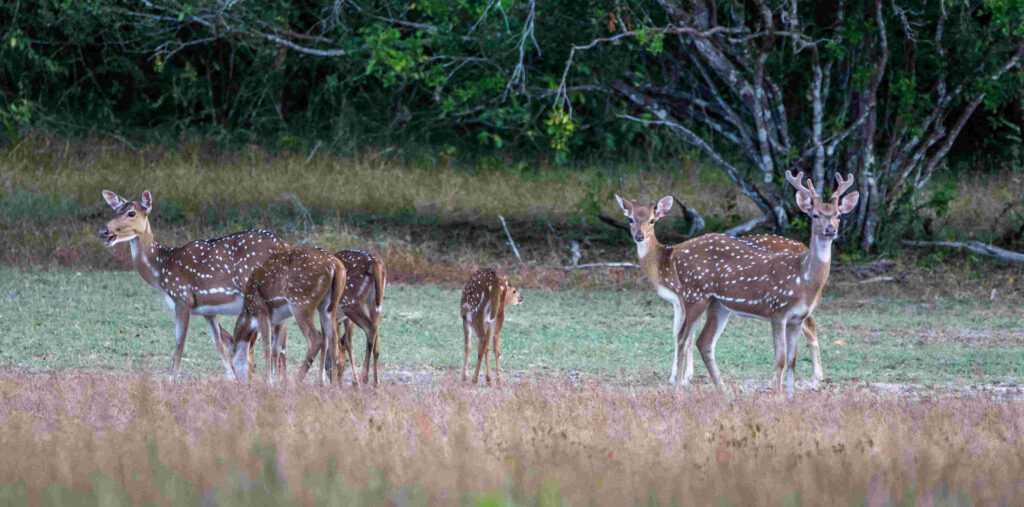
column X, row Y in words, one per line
column 59, row 319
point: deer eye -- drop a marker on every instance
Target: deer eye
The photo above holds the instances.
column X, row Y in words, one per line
column 652, row 220
column 131, row 213
column 630, row 220
column 814, row 215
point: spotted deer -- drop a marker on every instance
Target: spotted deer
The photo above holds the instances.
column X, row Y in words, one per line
column 204, row 277
column 810, row 327
column 301, row 282
column 724, row 275
column 361, row 304
column 484, row 300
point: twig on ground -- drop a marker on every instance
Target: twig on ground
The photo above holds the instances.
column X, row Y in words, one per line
column 974, row 246
column 877, row 279
column 510, row 241
column 602, row 265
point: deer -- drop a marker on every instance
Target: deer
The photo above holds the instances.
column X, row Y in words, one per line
column 484, row 300
column 775, row 243
column 204, row 277
column 361, row 304
column 656, row 261
column 724, row 275
column 301, row 282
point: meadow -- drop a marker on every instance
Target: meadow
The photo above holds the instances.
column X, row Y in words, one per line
column 112, row 321
column 922, row 400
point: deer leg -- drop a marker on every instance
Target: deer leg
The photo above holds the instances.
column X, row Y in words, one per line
column 352, row 359
column 314, row 340
column 779, row 341
column 496, row 343
column 213, row 322
column 717, row 317
column 810, row 329
column 278, row 348
column 481, row 349
column 677, row 326
column 792, row 333
column 466, row 325
column 375, row 326
column 488, row 336
column 269, row 334
column 181, row 316
column 692, row 313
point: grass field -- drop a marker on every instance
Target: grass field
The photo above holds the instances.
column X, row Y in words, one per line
column 78, row 438
column 113, row 321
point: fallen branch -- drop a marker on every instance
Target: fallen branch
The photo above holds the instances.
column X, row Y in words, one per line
column 602, row 265
column 611, row 221
column 747, row 226
column 877, row 279
column 974, row 246
column 510, row 241
column 696, row 221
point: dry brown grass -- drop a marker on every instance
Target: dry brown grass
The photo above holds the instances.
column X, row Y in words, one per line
column 76, row 436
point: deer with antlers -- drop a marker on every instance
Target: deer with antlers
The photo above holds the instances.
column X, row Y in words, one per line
column 484, row 300
column 301, row 282
column 724, row 275
column 204, row 277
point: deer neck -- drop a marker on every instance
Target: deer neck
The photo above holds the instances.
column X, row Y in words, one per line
column 817, row 261
column 653, row 256
column 147, row 257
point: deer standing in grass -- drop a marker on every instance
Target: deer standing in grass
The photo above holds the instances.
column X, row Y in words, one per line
column 724, row 275
column 204, row 277
column 484, row 300
column 361, row 305
column 657, row 261
column 301, row 282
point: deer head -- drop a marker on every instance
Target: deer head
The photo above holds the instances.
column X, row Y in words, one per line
column 131, row 218
column 824, row 216
column 642, row 218
column 512, row 295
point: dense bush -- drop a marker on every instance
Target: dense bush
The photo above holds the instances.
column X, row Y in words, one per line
column 897, row 82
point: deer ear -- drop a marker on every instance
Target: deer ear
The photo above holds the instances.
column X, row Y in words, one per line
column 664, row 205
column 113, row 200
column 627, row 207
column 849, row 202
column 147, row 200
column 804, row 202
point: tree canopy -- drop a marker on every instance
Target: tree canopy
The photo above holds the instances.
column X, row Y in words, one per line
column 877, row 88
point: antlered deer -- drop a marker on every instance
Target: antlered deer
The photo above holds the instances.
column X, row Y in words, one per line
column 301, row 282
column 483, row 309
column 724, row 275
column 204, row 277
column 810, row 327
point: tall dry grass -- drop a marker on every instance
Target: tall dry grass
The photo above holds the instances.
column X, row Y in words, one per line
column 373, row 181
column 79, row 437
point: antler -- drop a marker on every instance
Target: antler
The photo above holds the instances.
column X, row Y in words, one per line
column 809, row 189
column 843, row 186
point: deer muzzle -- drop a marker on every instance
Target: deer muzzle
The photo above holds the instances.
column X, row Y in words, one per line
column 107, row 236
column 639, row 236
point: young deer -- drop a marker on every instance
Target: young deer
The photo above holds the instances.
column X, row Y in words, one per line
column 204, row 277
column 483, row 309
column 361, row 304
column 724, row 275
column 301, row 282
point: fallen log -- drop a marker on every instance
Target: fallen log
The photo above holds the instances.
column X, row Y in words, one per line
column 974, row 246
